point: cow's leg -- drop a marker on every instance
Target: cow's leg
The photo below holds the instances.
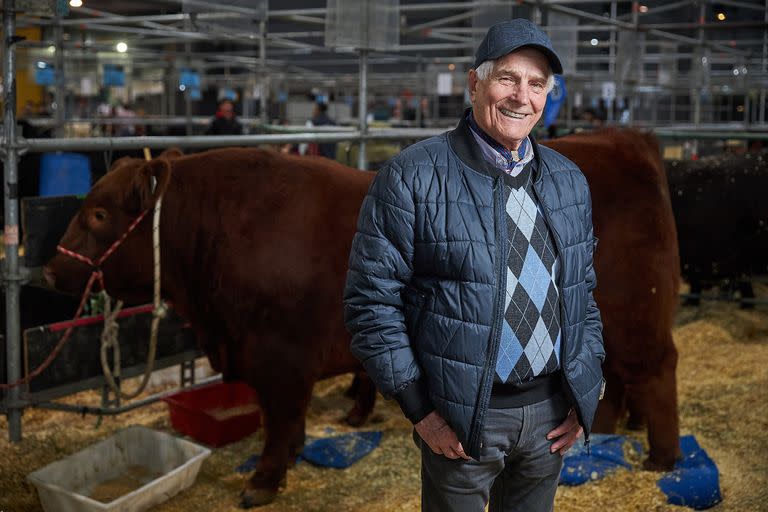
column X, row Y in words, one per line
column 284, row 398
column 351, row 391
column 365, row 399
column 635, row 421
column 611, row 406
column 656, row 399
column 747, row 292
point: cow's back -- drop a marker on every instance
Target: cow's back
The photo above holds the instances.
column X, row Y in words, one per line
column 637, row 258
column 271, row 235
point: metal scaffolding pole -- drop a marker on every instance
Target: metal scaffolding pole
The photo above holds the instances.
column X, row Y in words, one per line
column 214, row 141
column 61, row 91
column 187, row 89
column 362, row 158
column 263, row 72
column 11, row 272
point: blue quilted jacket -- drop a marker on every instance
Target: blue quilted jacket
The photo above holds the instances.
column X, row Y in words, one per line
column 425, row 287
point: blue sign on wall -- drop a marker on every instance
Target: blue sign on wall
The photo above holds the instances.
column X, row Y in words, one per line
column 114, row 75
column 45, row 74
column 189, row 79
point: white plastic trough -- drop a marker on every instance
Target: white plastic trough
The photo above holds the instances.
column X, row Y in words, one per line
column 66, row 485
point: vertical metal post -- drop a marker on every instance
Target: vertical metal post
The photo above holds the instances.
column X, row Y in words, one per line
column 172, row 85
column 765, row 64
column 11, row 274
column 747, row 109
column 187, row 92
column 263, row 71
column 420, row 95
column 362, row 107
column 61, row 91
column 612, row 65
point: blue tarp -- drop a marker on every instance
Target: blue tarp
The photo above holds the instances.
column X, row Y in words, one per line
column 693, row 483
column 337, row 451
column 607, row 454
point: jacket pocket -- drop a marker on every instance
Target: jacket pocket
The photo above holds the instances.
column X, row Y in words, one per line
column 418, row 323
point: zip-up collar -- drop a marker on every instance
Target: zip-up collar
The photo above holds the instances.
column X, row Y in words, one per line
column 466, row 148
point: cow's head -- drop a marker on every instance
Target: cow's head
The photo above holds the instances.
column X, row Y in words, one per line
column 131, row 187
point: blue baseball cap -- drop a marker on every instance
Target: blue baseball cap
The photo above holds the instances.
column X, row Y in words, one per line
column 507, row 36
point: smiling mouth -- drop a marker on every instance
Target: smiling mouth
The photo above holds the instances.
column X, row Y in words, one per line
column 513, row 115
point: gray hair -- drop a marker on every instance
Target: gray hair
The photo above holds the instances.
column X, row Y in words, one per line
column 485, row 69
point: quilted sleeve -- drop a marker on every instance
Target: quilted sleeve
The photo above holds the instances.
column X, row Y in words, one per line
column 593, row 325
column 380, row 266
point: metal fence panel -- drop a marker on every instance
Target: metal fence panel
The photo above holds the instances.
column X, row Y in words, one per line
column 363, row 24
column 564, row 40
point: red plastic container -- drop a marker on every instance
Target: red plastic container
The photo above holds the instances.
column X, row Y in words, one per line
column 215, row 414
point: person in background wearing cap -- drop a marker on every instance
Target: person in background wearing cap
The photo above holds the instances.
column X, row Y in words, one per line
column 469, row 290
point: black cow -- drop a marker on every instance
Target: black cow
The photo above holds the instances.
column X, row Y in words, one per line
column 721, row 214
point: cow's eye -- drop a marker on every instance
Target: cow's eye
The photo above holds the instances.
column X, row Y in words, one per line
column 99, row 214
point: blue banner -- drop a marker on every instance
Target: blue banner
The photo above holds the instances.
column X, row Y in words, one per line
column 555, row 99
column 114, row 75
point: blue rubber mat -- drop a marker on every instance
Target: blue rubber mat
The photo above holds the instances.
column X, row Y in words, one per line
column 336, row 451
column 694, row 483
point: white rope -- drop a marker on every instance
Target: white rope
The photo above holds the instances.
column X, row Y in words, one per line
column 160, row 310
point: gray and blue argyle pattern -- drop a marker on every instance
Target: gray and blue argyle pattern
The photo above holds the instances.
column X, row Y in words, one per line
column 530, row 338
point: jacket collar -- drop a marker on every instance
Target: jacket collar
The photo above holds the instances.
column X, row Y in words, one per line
column 465, row 146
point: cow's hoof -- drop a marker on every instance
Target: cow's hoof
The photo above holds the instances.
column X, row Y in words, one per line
column 652, row 465
column 355, row 419
column 257, row 497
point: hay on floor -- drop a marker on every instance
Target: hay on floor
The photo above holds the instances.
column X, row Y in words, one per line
column 722, row 382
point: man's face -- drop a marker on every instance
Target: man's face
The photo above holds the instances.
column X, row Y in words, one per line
column 511, row 100
column 227, row 110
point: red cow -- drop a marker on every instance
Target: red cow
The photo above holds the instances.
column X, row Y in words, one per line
column 254, row 253
column 255, row 248
column 638, row 278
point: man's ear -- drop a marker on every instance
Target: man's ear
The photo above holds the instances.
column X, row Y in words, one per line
column 152, row 180
column 472, row 84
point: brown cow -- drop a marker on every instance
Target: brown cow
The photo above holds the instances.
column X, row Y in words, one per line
column 255, row 249
column 254, row 253
column 638, row 277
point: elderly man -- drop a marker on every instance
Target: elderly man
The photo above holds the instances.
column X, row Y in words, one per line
column 469, row 292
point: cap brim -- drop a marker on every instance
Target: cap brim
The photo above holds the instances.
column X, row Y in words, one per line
column 554, row 60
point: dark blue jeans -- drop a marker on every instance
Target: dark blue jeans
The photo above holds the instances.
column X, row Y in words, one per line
column 515, row 471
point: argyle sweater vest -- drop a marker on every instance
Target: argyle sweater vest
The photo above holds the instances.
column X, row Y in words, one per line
column 530, row 338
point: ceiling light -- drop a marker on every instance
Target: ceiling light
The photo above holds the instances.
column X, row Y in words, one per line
column 451, row 66
column 121, row 47
column 643, row 9
column 593, row 42
column 75, row 3
column 720, row 15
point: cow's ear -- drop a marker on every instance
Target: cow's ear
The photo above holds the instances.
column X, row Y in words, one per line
column 152, row 181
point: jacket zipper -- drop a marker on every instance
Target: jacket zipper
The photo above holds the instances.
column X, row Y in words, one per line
column 559, row 246
column 495, row 337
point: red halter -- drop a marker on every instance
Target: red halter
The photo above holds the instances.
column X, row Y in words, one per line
column 97, row 273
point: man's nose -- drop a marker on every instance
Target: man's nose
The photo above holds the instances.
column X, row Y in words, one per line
column 521, row 93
